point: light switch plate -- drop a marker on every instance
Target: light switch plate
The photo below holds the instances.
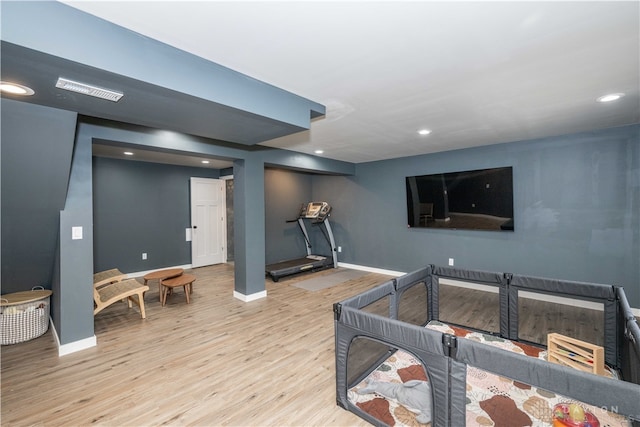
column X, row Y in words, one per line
column 76, row 233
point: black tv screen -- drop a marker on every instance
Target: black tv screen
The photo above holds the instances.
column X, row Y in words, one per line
column 470, row 200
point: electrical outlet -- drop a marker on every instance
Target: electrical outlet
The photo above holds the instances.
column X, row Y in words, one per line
column 339, row 248
column 144, row 255
column 451, row 262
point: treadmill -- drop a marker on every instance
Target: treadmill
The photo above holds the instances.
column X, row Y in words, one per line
column 317, row 213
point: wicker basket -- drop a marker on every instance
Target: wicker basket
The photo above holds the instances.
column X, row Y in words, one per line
column 24, row 316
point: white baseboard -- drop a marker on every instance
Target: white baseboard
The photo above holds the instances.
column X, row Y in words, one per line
column 251, row 297
column 142, row 273
column 370, row 269
column 72, row 347
column 531, row 295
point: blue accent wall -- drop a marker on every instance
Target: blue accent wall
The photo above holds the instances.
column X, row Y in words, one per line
column 75, row 256
column 576, row 203
column 141, row 207
column 285, row 192
column 37, row 146
column 248, row 221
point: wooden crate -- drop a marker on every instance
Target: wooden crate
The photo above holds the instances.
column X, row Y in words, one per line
column 577, row 354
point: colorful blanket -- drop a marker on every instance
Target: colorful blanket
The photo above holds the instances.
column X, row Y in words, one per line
column 492, row 400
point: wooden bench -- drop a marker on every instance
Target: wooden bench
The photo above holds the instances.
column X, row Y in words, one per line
column 112, row 285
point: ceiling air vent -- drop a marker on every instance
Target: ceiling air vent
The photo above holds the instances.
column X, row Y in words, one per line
column 86, row 89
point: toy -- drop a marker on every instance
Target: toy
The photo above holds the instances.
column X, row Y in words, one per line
column 415, row 395
column 578, row 354
column 573, row 415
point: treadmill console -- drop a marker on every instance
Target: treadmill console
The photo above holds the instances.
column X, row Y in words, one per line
column 315, row 210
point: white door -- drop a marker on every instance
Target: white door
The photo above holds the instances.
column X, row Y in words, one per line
column 208, row 216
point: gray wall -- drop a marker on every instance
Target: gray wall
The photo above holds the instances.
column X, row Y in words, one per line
column 248, row 222
column 141, row 207
column 576, row 206
column 37, row 145
column 249, row 186
column 74, row 273
column 285, row 191
column 125, row 191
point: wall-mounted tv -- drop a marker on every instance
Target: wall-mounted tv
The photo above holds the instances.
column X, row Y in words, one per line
column 469, row 200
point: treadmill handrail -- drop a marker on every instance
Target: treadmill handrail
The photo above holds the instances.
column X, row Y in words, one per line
column 306, row 236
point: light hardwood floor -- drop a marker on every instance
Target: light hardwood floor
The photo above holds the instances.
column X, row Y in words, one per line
column 217, row 361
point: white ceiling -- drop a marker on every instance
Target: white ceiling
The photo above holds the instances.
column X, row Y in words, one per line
column 475, row 73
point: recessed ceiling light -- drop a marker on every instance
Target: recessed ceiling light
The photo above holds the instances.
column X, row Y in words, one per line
column 85, row 89
column 319, row 151
column 206, row 162
column 128, row 153
column 610, row 97
column 15, row 89
column 424, row 131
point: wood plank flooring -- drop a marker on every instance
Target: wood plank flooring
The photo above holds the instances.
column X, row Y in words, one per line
column 215, row 362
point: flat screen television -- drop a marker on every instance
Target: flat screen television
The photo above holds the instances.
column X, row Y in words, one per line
column 469, row 200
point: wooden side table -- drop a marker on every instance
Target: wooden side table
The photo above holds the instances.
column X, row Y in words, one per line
column 184, row 280
column 160, row 275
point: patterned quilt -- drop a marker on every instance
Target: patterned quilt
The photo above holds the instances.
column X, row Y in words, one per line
column 492, row 400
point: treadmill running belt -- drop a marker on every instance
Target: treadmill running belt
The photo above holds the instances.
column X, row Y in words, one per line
column 292, row 266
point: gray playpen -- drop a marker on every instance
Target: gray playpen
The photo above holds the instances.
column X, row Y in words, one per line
column 385, row 333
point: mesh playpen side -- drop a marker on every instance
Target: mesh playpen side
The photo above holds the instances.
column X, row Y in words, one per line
column 603, row 295
column 370, row 334
column 628, row 340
